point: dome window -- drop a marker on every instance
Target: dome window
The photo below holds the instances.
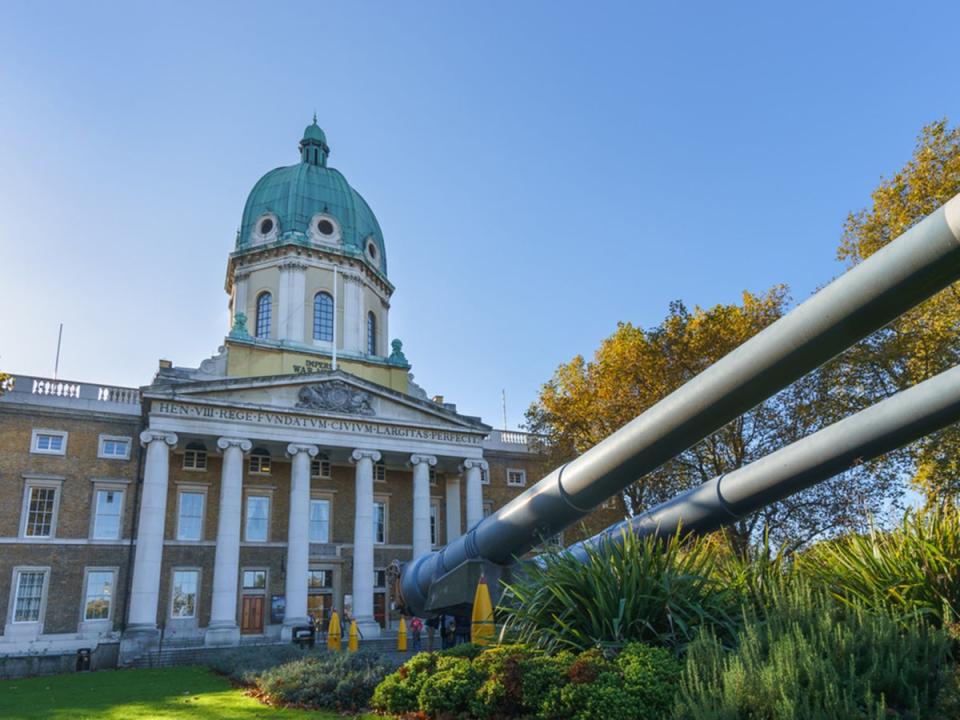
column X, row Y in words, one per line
column 325, row 227
column 372, row 250
column 266, row 226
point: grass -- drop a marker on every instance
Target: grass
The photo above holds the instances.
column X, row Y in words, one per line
column 193, row 693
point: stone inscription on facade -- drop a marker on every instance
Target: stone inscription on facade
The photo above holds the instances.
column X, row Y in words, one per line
column 335, row 396
column 345, row 425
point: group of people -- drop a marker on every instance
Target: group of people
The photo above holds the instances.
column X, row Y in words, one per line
column 453, row 630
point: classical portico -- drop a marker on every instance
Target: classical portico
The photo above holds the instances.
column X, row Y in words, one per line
column 394, row 445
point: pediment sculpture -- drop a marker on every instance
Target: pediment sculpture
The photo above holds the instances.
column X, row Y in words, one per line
column 335, row 396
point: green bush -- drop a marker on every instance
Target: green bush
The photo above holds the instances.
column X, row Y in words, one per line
column 400, row 691
column 326, row 680
column 244, row 663
column 811, row 658
column 463, row 650
column 912, row 570
column 451, row 688
column 644, row 590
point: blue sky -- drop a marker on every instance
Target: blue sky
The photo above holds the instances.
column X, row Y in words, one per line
column 541, row 171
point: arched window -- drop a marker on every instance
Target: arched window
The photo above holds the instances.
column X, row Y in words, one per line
column 323, row 316
column 371, row 334
column 264, row 311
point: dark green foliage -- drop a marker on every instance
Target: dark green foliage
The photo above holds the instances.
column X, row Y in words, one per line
column 646, row 590
column 400, row 691
column 326, row 680
column 244, row 663
column 811, row 658
column 911, row 570
column 463, row 650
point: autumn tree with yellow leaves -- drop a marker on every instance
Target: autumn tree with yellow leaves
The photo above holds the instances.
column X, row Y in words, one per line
column 585, row 401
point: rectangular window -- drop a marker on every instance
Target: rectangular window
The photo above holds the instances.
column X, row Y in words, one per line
column 254, row 579
column 260, row 464
column 380, row 472
column 487, row 509
column 433, row 476
column 106, row 514
column 320, row 469
column 29, row 599
column 379, row 522
column 114, row 448
column 516, row 478
column 258, row 517
column 379, row 578
column 184, row 601
column 319, row 521
column 194, row 459
column 319, row 579
column 99, row 590
column 41, row 510
column 49, row 442
column 434, row 525
column 190, row 516
column 484, row 476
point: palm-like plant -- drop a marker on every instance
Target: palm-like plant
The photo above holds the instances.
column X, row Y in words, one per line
column 645, row 590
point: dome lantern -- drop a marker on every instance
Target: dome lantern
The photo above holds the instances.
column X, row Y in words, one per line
column 313, row 147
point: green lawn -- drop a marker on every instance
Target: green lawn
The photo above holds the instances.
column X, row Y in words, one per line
column 183, row 692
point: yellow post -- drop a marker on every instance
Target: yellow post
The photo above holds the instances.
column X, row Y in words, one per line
column 333, row 633
column 482, row 629
column 353, row 640
column 402, row 635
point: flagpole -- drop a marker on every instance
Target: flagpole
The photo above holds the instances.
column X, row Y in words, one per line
column 335, row 296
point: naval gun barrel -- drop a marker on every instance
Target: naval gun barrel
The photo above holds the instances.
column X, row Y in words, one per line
column 888, row 425
column 918, row 264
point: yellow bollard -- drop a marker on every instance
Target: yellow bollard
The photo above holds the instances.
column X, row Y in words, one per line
column 482, row 629
column 352, row 641
column 333, row 633
column 402, row 636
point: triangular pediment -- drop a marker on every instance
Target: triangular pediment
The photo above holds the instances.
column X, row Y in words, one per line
column 331, row 394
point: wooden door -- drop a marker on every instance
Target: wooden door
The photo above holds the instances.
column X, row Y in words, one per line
column 251, row 615
column 319, row 605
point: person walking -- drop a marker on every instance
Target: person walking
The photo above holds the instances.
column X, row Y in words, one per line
column 416, row 626
column 432, row 625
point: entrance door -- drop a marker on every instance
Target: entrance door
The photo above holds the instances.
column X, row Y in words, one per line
column 380, row 608
column 319, row 605
column 251, row 615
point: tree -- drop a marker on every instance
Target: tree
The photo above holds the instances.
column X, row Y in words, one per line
column 926, row 340
column 585, row 401
column 4, row 380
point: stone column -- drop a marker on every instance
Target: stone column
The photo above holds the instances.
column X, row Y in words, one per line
column 453, row 508
column 145, row 588
column 240, row 282
column 421, row 503
column 298, row 538
column 290, row 301
column 223, row 628
column 363, row 543
column 472, row 468
column 354, row 323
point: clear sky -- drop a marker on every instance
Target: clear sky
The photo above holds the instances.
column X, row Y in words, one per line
column 541, row 171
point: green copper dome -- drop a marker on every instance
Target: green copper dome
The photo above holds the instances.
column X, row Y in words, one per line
column 311, row 204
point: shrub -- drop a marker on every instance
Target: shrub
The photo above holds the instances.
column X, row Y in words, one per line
column 244, row 663
column 400, row 691
column 912, row 570
column 811, row 657
column 325, row 680
column 502, row 693
column 451, row 688
column 463, row 650
column 643, row 590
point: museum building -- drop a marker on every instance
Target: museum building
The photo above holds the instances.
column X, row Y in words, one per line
column 286, row 476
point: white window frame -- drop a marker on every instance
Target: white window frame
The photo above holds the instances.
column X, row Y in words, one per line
column 195, row 453
column 44, row 593
column 434, row 476
column 37, row 432
column 434, row 523
column 107, row 486
column 246, row 507
column 487, row 508
column 260, row 471
column 380, row 471
column 108, row 620
column 192, row 490
column 173, row 589
column 386, row 520
column 255, row 591
column 321, row 464
column 484, row 476
column 113, row 438
column 40, row 482
column 328, row 499
column 523, row 477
